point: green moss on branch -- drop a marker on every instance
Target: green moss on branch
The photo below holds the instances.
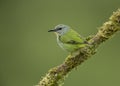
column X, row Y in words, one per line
column 56, row 75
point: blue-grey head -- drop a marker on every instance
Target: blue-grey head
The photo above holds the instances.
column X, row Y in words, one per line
column 60, row 29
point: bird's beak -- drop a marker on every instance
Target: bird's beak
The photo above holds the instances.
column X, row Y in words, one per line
column 54, row 30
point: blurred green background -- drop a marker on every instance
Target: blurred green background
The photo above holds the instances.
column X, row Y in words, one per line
column 28, row 51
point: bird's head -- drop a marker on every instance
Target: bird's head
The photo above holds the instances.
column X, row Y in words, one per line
column 60, row 29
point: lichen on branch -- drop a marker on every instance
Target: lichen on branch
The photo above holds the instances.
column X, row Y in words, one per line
column 56, row 75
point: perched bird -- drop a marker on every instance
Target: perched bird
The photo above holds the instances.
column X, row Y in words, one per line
column 67, row 38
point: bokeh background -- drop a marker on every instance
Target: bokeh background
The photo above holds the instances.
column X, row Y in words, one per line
column 28, row 51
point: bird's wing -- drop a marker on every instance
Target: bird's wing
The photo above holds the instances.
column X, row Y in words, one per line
column 72, row 37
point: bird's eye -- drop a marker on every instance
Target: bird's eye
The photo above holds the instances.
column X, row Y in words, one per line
column 59, row 28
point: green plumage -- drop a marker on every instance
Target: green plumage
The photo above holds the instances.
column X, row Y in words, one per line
column 71, row 41
column 67, row 38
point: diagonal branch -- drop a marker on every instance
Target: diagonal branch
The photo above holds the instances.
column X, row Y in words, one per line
column 56, row 75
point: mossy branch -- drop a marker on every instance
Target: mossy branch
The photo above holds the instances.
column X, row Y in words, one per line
column 56, row 75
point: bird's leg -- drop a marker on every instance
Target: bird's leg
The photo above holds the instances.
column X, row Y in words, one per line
column 74, row 53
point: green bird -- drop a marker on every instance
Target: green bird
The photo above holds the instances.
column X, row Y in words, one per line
column 68, row 39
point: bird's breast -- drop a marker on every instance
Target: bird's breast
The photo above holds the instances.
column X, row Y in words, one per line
column 64, row 46
column 60, row 43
